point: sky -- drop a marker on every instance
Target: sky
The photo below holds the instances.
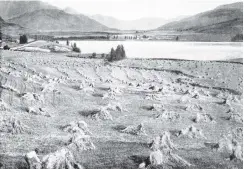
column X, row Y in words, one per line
column 135, row 9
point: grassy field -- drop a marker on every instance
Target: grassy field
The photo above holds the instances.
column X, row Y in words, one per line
column 142, row 83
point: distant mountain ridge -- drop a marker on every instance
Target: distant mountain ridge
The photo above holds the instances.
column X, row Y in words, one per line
column 138, row 24
column 10, row 9
column 224, row 19
column 145, row 23
column 45, row 20
column 38, row 16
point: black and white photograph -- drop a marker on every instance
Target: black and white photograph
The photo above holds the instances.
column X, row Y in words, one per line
column 121, row 84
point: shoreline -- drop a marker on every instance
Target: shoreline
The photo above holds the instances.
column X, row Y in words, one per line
column 86, row 56
column 239, row 60
column 146, row 40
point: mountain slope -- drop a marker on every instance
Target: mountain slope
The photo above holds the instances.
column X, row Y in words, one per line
column 10, row 28
column 10, row 9
column 57, row 20
column 237, row 5
column 223, row 19
column 139, row 24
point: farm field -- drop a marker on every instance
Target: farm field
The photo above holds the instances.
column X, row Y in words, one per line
column 125, row 105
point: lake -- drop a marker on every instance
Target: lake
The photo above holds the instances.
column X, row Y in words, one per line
column 162, row 49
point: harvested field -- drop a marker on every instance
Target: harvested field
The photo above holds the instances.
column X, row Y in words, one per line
column 122, row 106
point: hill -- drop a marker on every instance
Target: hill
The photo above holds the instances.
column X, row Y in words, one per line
column 225, row 19
column 47, row 20
column 10, row 9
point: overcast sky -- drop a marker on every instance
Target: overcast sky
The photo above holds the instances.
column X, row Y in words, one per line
column 134, row 9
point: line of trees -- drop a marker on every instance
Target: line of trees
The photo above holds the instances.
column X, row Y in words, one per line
column 125, row 37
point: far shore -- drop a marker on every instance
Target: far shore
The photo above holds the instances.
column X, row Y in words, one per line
column 58, row 47
column 99, row 56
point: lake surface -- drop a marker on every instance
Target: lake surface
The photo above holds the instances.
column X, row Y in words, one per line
column 162, row 49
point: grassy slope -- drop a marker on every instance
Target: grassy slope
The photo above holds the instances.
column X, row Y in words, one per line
column 219, row 24
column 57, row 20
column 223, row 19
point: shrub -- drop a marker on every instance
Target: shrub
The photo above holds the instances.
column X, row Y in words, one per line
column 117, row 54
column 94, row 55
column 23, row 39
column 144, row 36
column 6, row 47
column 75, row 48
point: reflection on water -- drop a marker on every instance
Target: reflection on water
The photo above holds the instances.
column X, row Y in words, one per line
column 159, row 49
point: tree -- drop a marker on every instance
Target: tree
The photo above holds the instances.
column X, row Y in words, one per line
column 117, row 54
column 123, row 52
column 112, row 55
column 144, row 36
column 23, row 39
